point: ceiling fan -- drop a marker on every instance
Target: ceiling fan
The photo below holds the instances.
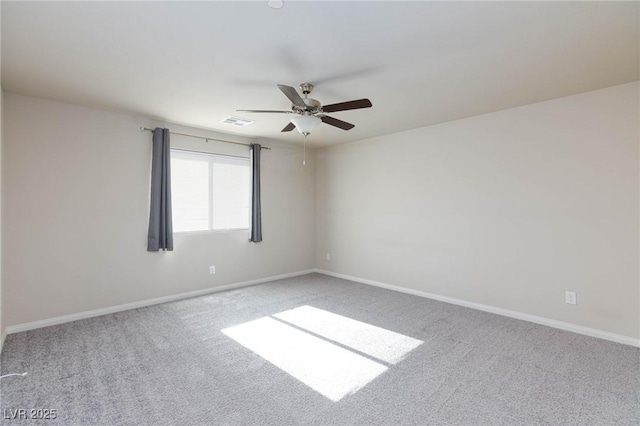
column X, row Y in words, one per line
column 309, row 113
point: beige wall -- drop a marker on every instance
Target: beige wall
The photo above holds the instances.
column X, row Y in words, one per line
column 508, row 209
column 75, row 195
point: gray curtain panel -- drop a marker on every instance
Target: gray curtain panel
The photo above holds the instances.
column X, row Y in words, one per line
column 160, row 224
column 256, row 215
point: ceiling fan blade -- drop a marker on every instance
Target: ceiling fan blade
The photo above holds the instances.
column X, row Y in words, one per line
column 344, row 106
column 289, row 127
column 293, row 95
column 337, row 123
column 264, row 110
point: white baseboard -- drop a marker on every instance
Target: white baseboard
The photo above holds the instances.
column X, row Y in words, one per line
column 3, row 335
column 625, row 340
column 140, row 304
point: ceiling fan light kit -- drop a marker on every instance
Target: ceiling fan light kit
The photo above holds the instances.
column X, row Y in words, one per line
column 305, row 123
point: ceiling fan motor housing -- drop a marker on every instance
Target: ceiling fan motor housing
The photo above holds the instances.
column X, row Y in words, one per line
column 311, row 103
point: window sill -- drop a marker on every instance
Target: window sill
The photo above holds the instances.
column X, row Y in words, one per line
column 215, row 231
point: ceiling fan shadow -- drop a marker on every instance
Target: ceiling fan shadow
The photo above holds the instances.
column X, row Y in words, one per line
column 347, row 75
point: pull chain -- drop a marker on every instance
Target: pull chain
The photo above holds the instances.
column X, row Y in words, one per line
column 304, row 150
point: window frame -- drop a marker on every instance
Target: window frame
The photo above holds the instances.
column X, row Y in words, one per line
column 194, row 153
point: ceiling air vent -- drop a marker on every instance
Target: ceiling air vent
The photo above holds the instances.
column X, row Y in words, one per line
column 237, row 121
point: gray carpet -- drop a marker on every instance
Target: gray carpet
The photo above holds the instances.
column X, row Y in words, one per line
column 172, row 364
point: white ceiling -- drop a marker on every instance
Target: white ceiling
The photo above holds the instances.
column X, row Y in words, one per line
column 420, row 63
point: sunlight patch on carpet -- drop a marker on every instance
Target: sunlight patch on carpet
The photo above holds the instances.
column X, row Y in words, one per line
column 377, row 342
column 328, row 369
column 323, row 363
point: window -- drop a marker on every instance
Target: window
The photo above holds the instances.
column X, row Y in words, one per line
column 209, row 192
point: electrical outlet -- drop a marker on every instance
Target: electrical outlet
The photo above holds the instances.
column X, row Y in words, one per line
column 328, row 256
column 212, row 270
column 570, row 297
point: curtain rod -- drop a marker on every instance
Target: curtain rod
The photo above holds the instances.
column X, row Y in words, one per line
column 142, row 129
